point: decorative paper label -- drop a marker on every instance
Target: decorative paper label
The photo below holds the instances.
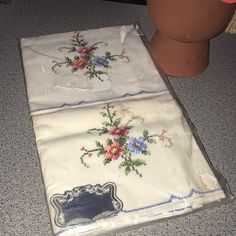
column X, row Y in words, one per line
column 85, row 204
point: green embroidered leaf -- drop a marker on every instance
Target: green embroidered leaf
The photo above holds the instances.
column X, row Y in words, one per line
column 87, row 73
column 87, row 58
column 68, row 60
column 122, row 140
column 76, row 57
column 83, row 44
column 145, row 134
column 101, row 153
column 108, row 54
column 72, row 49
column 98, row 144
column 151, row 140
column 107, row 161
column 112, row 59
column 103, row 131
column 126, row 165
column 91, row 76
column 104, row 114
column 100, row 72
column 138, row 162
column 145, row 152
column 107, row 124
column 109, row 142
column 117, row 121
column 127, row 170
column 125, row 152
column 114, row 113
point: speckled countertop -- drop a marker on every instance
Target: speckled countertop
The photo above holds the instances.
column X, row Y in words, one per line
column 209, row 98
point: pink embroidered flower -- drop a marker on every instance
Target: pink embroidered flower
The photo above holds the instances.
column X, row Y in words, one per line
column 118, row 132
column 83, row 149
column 163, row 131
column 90, row 154
column 83, row 51
column 79, row 64
column 114, row 151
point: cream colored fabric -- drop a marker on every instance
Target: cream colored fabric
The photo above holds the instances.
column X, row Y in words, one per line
column 47, row 89
column 175, row 179
column 231, row 28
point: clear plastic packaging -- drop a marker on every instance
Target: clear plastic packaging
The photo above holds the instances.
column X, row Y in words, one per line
column 116, row 146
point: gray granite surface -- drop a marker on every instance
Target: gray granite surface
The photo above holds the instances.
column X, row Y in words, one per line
column 209, row 98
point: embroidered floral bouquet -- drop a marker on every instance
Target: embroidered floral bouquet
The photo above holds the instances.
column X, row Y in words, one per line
column 119, row 145
column 85, row 58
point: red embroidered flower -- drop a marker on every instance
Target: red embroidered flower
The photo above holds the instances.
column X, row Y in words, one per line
column 114, row 151
column 118, row 132
column 79, row 64
column 83, row 51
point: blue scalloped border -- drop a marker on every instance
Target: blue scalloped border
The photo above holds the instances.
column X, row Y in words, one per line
column 170, row 199
column 82, row 102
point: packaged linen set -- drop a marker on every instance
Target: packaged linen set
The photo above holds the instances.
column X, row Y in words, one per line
column 115, row 147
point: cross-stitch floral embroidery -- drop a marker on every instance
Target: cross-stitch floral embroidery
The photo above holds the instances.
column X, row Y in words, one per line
column 96, row 66
column 119, row 145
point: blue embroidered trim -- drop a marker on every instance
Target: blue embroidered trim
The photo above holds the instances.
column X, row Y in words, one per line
column 170, row 199
column 181, row 209
column 90, row 102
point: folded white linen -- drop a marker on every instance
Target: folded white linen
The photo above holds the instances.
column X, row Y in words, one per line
column 110, row 160
column 78, row 67
column 144, row 149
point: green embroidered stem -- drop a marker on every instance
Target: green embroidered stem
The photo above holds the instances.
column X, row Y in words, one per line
column 151, row 136
column 163, row 138
column 130, row 165
column 90, row 131
column 109, row 115
column 57, row 64
column 96, row 73
column 134, row 118
column 82, row 162
column 121, row 56
column 87, row 152
column 133, row 166
column 100, row 131
column 70, row 49
column 97, row 43
column 169, row 141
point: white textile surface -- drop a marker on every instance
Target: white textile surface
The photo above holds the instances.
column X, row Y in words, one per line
column 114, row 146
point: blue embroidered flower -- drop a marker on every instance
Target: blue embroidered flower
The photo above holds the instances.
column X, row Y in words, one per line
column 137, row 145
column 100, row 61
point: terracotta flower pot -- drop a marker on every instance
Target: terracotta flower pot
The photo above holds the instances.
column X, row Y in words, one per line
column 181, row 43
